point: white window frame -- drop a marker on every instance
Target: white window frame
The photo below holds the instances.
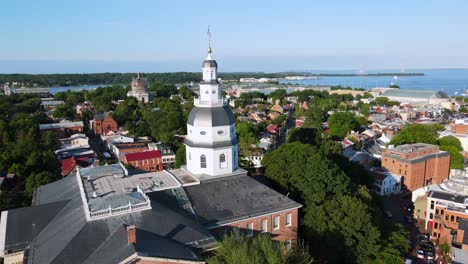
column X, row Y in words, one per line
column 289, row 219
column 276, row 225
column 250, row 229
column 264, row 225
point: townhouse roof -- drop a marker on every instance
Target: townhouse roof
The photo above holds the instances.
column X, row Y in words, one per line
column 143, row 155
column 59, row 125
column 450, row 197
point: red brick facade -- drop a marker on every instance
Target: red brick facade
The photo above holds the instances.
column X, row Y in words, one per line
column 283, row 232
column 459, row 128
column 444, row 222
column 104, row 126
column 419, row 164
column 148, row 160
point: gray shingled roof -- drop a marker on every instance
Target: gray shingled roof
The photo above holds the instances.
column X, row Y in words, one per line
column 447, row 196
column 24, row 224
column 211, row 116
column 69, row 238
column 100, row 116
column 234, row 198
column 463, row 225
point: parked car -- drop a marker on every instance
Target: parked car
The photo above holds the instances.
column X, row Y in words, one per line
column 423, row 237
column 409, row 219
column 431, row 261
column 420, row 253
column 430, row 255
column 388, row 214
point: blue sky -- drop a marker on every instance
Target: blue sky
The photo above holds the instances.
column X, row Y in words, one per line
column 143, row 35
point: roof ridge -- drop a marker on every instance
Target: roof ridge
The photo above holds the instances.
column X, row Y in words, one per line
column 31, row 250
column 104, row 242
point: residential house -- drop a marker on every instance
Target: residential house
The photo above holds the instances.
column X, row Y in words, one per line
column 256, row 117
column 272, row 129
column 74, row 141
column 273, row 115
column 300, row 121
column 277, row 108
column 168, row 155
column 147, row 160
column 120, row 149
column 385, row 183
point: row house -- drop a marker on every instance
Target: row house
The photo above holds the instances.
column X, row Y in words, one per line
column 148, row 160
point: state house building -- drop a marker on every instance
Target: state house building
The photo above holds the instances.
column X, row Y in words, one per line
column 109, row 214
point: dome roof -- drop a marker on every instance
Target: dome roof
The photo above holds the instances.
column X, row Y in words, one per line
column 211, row 117
column 210, row 64
column 139, row 84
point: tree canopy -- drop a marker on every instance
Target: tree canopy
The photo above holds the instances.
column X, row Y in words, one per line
column 238, row 249
column 417, row 133
column 342, row 123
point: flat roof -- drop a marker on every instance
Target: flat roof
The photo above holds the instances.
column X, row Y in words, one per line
column 106, row 185
column 184, row 177
column 60, row 125
column 409, row 148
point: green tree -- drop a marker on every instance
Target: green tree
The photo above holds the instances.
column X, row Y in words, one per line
column 36, row 180
column 237, row 249
column 450, row 141
column 181, row 158
column 341, row 123
column 417, row 133
column 278, row 94
column 186, row 93
column 64, row 111
column 456, row 159
column 247, row 134
column 343, row 225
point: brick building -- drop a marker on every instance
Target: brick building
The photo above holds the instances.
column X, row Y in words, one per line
column 103, row 124
column 460, row 128
column 108, row 214
column 444, row 212
column 121, row 149
column 420, row 164
column 148, row 160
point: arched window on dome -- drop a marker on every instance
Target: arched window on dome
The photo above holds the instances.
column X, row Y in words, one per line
column 222, row 161
column 203, row 161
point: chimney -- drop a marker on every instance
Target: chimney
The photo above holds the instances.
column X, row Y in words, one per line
column 131, row 234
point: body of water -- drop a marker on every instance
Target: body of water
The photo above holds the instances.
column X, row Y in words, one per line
column 451, row 81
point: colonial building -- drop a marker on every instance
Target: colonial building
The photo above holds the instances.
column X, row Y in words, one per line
column 103, row 124
column 139, row 89
column 420, row 164
column 108, row 214
column 147, row 160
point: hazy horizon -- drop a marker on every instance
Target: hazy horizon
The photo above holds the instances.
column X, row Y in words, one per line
column 271, row 36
